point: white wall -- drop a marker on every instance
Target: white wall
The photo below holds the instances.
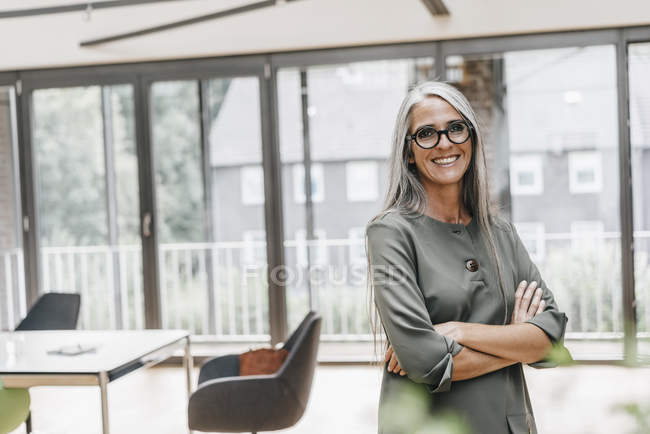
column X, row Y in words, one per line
column 53, row 40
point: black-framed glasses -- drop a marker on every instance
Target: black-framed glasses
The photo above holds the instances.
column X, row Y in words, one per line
column 428, row 137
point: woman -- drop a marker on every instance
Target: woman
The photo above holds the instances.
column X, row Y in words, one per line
column 451, row 279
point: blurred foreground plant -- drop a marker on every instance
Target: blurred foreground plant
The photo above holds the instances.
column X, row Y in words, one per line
column 409, row 411
column 640, row 413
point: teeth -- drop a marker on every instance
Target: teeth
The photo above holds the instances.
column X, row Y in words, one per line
column 446, row 160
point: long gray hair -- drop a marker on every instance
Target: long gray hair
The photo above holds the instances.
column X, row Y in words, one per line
column 406, row 194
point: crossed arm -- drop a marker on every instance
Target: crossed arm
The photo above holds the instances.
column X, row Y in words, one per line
column 487, row 348
column 437, row 354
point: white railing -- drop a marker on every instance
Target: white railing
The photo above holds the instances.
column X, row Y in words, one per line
column 109, row 279
column 12, row 288
column 220, row 289
column 210, row 289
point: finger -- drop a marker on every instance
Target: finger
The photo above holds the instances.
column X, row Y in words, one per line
column 534, row 304
column 518, row 294
column 392, row 363
column 397, row 368
column 540, row 309
column 388, row 353
column 402, row 372
column 528, row 295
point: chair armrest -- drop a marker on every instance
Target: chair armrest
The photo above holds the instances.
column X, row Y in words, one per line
column 219, row 367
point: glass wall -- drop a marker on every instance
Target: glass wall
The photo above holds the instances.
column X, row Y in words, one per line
column 12, row 274
column 639, row 71
column 551, row 124
column 210, row 199
column 551, row 119
column 343, row 116
column 88, row 202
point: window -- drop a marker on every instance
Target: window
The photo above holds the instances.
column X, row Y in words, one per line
column 357, row 251
column 526, row 176
column 252, row 185
column 341, row 130
column 317, row 183
column 254, row 247
column 585, row 172
column 361, row 180
column 532, row 234
column 317, row 250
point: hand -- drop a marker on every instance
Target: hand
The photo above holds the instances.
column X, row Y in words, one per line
column 528, row 302
column 451, row 329
column 393, row 366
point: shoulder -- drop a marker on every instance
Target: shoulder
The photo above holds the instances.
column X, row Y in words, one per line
column 393, row 220
column 502, row 224
column 391, row 225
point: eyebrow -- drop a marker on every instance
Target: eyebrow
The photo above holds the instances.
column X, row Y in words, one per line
column 431, row 125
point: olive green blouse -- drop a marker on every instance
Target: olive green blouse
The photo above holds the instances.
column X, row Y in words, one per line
column 425, row 272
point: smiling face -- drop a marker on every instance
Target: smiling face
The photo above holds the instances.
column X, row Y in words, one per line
column 446, row 163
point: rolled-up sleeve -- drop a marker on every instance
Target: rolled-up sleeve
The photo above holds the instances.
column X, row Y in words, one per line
column 552, row 321
column 425, row 355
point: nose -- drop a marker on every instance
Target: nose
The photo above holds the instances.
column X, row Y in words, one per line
column 444, row 142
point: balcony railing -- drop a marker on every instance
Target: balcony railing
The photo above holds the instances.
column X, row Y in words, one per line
column 220, row 289
column 12, row 288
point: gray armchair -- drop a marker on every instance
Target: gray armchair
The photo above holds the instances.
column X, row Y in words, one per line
column 226, row 402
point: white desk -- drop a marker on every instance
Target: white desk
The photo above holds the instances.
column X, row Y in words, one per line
column 25, row 362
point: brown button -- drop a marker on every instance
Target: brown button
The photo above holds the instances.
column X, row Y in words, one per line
column 471, row 265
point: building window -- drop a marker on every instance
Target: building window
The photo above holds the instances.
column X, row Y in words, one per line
column 317, row 183
column 586, row 234
column 585, row 172
column 357, row 246
column 526, row 175
column 532, row 234
column 254, row 252
column 361, row 180
column 252, row 185
column 317, row 249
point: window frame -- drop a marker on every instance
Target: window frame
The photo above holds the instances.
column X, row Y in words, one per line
column 578, row 161
column 258, row 171
column 533, row 163
column 352, row 193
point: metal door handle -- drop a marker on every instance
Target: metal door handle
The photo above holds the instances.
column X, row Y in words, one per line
column 146, row 224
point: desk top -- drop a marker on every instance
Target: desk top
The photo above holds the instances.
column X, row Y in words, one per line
column 27, row 352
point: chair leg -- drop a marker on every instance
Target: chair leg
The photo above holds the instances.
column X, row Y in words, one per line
column 28, row 423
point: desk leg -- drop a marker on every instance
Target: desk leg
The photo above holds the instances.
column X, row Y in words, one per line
column 103, row 388
column 187, row 361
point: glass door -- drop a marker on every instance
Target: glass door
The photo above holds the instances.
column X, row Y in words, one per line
column 87, row 201
column 209, row 187
column 551, row 127
column 639, row 92
column 12, row 281
column 333, row 150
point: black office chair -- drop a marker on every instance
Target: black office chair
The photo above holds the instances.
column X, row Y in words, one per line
column 52, row 311
column 226, row 402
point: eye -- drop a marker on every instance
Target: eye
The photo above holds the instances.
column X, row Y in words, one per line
column 425, row 133
column 457, row 127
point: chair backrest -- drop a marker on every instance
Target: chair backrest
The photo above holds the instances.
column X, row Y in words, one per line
column 289, row 343
column 298, row 369
column 52, row 311
column 14, row 408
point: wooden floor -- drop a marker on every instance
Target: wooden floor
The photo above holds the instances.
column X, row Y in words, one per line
column 344, row 400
